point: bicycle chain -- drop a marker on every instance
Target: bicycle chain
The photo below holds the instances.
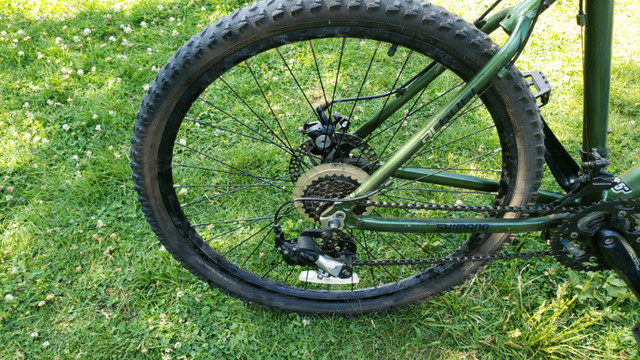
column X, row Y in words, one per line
column 448, row 260
column 462, row 208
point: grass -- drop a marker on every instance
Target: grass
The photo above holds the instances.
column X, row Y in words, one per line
column 83, row 276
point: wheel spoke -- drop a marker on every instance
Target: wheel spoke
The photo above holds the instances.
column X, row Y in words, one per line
column 285, row 143
column 315, row 61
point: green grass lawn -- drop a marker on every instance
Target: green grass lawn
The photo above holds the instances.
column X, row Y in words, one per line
column 82, row 275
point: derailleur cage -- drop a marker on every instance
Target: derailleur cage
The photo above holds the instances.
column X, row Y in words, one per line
column 305, row 251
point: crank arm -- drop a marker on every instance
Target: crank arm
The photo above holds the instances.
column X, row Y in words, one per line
column 620, row 256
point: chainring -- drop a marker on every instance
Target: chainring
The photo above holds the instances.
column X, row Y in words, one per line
column 573, row 243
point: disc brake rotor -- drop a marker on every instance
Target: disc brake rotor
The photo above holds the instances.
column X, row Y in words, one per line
column 349, row 149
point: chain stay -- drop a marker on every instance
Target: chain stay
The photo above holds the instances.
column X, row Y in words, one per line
column 449, row 260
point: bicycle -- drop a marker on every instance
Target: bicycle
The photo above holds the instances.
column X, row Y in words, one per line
column 347, row 157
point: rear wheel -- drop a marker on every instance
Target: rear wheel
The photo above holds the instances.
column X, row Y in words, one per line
column 217, row 147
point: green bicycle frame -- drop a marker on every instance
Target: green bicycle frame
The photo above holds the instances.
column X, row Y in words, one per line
column 517, row 21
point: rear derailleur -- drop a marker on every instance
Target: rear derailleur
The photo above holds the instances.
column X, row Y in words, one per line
column 334, row 257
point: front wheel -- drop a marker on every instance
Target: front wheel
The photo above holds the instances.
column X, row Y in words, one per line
column 227, row 134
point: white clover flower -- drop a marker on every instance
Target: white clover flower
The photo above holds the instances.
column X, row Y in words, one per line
column 172, row 19
column 112, row 113
column 177, row 345
column 203, row 9
column 112, row 38
column 26, row 105
column 9, row 297
column 76, row 39
column 95, row 117
column 175, row 32
column 76, row 157
column 182, row 142
column 50, row 102
column 143, row 24
column 100, row 224
column 3, row 33
column 45, row 344
column 34, row 334
column 20, row 53
column 86, row 31
column 160, row 7
column 20, row 32
column 66, row 127
column 40, row 55
column 98, row 128
column 80, row 72
column 89, row 153
column 145, row 87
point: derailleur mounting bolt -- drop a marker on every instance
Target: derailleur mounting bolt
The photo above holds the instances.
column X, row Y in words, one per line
column 622, row 214
column 593, row 259
column 609, row 241
column 334, row 224
column 574, row 235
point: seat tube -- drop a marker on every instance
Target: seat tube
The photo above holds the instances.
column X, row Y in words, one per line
column 597, row 72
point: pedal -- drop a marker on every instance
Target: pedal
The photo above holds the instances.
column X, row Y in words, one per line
column 312, row 276
column 537, row 80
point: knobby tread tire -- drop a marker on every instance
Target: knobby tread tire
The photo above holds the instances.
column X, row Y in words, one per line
column 258, row 21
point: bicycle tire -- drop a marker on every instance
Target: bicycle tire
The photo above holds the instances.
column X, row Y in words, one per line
column 189, row 115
